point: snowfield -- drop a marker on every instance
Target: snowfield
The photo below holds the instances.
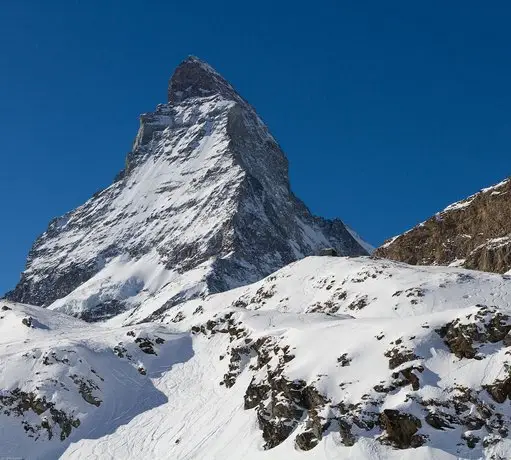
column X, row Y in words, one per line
column 328, row 358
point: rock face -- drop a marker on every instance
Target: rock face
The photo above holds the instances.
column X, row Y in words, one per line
column 203, row 205
column 474, row 233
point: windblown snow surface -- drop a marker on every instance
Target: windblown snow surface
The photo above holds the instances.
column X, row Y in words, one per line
column 328, row 358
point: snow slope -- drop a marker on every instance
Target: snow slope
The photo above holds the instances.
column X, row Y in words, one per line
column 328, row 358
column 62, row 379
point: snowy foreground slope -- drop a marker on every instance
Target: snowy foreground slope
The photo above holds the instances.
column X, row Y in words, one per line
column 328, row 358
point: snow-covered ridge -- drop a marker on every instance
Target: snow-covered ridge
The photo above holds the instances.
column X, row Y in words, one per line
column 63, row 380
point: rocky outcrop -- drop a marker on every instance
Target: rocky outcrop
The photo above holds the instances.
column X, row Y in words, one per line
column 474, row 233
column 48, row 419
column 203, row 205
column 465, row 335
column 400, row 429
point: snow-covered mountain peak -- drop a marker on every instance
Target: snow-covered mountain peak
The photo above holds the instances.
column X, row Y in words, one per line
column 203, row 205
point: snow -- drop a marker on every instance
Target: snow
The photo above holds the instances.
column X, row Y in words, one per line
column 180, row 411
column 52, row 357
column 170, row 374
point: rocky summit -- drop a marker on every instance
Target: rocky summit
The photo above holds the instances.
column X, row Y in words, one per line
column 203, row 205
column 473, row 233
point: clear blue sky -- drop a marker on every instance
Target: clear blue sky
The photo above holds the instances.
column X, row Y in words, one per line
column 388, row 111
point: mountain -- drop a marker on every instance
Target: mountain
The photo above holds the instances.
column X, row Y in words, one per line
column 181, row 313
column 327, row 358
column 473, row 233
column 203, row 205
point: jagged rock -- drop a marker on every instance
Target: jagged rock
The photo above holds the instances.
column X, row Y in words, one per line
column 343, row 360
column 146, row 345
column 27, row 321
column 20, row 402
column 400, row 429
column 471, row 440
column 306, row 440
column 500, row 390
column 474, row 233
column 86, row 388
column 463, row 335
column 255, row 394
column 437, row 421
column 398, row 356
column 409, row 377
column 347, row 437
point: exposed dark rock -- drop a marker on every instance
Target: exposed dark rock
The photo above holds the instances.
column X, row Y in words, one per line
column 27, row 321
column 347, row 437
column 121, row 351
column 255, row 394
column 437, row 421
column 142, row 370
column 398, row 356
column 20, row 402
column 306, row 440
column 146, row 345
column 500, row 390
column 471, row 440
column 343, row 360
column 463, row 335
column 401, row 429
column 86, row 388
column 409, row 376
column 359, row 303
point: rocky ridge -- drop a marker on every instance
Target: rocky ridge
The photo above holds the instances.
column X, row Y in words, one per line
column 473, row 233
